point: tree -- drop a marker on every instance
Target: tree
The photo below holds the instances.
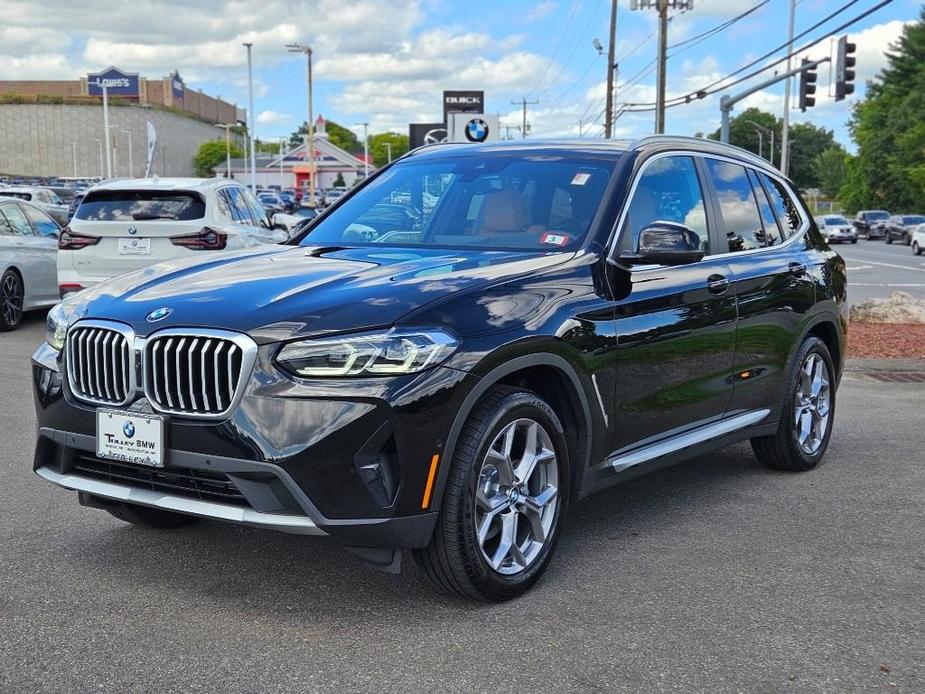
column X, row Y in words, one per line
column 337, row 134
column 889, row 129
column 742, row 132
column 831, row 170
column 377, row 146
column 339, row 181
column 211, row 156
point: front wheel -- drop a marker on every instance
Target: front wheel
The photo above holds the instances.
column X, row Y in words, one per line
column 907, row 239
column 915, row 248
column 806, row 415
column 854, row 240
column 12, row 298
column 889, row 239
column 505, row 498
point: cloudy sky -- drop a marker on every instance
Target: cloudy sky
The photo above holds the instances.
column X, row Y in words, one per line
column 387, row 61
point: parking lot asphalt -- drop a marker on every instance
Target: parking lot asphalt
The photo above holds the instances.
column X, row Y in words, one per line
column 876, row 270
column 715, row 575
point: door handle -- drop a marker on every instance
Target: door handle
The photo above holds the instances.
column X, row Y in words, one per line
column 797, row 269
column 717, row 284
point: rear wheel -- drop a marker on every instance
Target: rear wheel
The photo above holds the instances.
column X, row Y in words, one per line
column 806, row 415
column 854, row 240
column 12, row 297
column 151, row 517
column 889, row 238
column 906, row 239
column 915, row 248
column 505, row 498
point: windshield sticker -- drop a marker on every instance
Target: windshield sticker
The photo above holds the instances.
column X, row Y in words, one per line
column 554, row 239
column 580, row 179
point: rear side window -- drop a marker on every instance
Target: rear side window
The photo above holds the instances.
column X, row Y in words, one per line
column 771, row 229
column 738, row 207
column 140, row 205
column 239, row 209
column 782, row 202
column 44, row 225
column 668, row 191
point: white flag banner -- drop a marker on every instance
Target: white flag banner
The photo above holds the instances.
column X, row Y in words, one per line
column 152, row 142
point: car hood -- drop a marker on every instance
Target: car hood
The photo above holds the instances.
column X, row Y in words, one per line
column 275, row 293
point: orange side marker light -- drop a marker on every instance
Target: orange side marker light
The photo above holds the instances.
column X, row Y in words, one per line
column 431, row 476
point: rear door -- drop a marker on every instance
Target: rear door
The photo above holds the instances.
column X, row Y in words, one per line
column 675, row 326
column 773, row 268
column 34, row 256
column 44, row 244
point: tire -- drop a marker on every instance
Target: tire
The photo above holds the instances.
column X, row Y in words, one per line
column 888, row 238
column 458, row 560
column 782, row 450
column 915, row 248
column 12, row 297
column 854, row 240
column 906, row 239
column 151, row 517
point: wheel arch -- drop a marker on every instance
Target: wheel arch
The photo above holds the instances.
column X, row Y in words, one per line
column 553, row 378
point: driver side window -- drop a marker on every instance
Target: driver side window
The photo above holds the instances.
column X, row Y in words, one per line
column 668, row 191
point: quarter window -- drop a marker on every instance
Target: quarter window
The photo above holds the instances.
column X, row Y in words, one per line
column 44, row 225
column 744, row 231
column 771, row 228
column 19, row 225
column 667, row 191
column 782, row 202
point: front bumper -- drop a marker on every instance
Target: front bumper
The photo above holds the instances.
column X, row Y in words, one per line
column 347, row 460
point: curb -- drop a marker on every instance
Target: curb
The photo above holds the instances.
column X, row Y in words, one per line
column 870, row 364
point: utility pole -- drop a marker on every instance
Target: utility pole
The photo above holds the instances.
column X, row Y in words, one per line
column 524, row 103
column 282, row 143
column 662, row 7
column 310, row 123
column 250, row 115
column 611, row 70
column 785, row 131
column 365, row 149
column 74, row 154
column 388, row 148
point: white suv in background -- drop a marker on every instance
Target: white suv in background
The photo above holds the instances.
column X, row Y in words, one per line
column 125, row 225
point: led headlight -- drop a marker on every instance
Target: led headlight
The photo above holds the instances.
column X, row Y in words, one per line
column 59, row 320
column 370, row 354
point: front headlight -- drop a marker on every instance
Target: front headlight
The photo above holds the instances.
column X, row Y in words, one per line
column 371, row 354
column 59, row 320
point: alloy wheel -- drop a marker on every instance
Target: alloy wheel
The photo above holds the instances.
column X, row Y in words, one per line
column 11, row 299
column 812, row 406
column 517, row 497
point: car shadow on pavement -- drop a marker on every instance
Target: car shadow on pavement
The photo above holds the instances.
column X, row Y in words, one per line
column 283, row 574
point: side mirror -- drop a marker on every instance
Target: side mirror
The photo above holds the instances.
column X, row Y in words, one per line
column 665, row 243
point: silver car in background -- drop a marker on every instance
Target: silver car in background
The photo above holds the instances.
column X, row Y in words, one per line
column 28, row 260
column 41, row 197
column 837, row 229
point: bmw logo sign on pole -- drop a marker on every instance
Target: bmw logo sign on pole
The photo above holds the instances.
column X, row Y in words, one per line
column 158, row 314
column 128, row 428
column 476, row 130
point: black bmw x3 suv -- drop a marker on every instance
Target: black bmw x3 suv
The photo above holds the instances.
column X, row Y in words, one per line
column 550, row 319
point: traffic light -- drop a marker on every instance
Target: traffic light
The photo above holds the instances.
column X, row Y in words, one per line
column 808, row 78
column 844, row 72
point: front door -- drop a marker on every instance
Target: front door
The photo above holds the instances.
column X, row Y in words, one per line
column 675, row 326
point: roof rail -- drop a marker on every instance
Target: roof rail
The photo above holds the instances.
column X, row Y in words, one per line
column 668, row 139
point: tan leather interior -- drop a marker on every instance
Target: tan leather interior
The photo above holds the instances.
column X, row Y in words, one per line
column 504, row 211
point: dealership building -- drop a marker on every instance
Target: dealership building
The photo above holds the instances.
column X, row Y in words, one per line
column 55, row 127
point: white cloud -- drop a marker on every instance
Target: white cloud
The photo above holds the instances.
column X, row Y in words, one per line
column 541, row 10
column 273, row 118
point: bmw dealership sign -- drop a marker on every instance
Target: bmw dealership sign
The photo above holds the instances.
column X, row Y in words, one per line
column 117, row 83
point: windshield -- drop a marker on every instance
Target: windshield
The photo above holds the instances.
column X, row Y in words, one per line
column 129, row 205
column 878, row 215
column 541, row 202
column 914, row 219
column 836, row 220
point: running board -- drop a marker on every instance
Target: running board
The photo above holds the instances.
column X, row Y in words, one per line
column 692, row 438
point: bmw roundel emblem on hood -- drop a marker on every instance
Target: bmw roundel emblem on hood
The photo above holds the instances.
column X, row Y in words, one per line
column 158, row 314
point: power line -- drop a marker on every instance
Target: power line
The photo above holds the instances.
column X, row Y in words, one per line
column 699, row 38
column 552, row 58
column 574, row 50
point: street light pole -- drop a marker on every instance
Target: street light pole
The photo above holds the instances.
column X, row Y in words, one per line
column 74, row 155
column 251, row 117
column 767, row 131
column 282, row 143
column 228, row 127
column 100, row 144
column 388, row 148
column 130, row 167
column 365, row 149
column 106, row 135
column 310, row 123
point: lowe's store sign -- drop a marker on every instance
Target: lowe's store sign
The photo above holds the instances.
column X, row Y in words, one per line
column 117, row 83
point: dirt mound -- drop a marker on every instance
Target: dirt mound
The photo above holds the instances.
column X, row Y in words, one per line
column 898, row 307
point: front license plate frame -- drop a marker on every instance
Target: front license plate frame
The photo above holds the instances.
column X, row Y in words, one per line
column 137, row 438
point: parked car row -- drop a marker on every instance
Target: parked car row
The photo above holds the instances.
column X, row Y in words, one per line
column 120, row 226
column 908, row 229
